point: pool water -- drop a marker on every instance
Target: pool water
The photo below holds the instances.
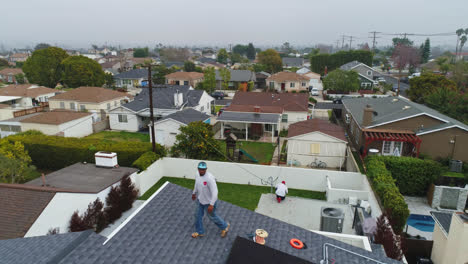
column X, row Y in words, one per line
column 423, row 223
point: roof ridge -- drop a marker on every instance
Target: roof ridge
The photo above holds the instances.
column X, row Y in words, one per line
column 71, row 246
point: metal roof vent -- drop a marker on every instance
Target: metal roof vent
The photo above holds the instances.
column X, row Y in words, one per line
column 394, row 100
column 406, row 107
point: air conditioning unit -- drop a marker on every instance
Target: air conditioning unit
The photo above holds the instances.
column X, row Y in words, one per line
column 106, row 159
column 456, row 165
column 331, row 220
column 347, row 118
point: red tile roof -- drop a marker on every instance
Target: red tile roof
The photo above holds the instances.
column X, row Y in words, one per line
column 287, row 76
column 269, row 102
column 20, row 206
column 313, row 125
column 90, row 95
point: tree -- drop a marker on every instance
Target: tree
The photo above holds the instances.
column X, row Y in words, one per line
column 404, row 56
column 222, row 56
column 41, row 46
column 385, row 236
column 271, row 60
column 342, row 81
column 15, row 162
column 425, row 51
column 250, row 52
column 141, row 52
column 257, row 67
column 240, row 49
column 226, row 77
column 160, row 72
column 196, row 141
column 286, row 47
column 209, row 82
column 449, row 102
column 128, row 193
column 459, row 33
column 333, row 61
column 76, row 223
column 189, row 66
column 3, row 63
column 94, row 217
column 113, row 209
column 109, row 80
column 426, row 84
column 82, row 71
column 460, row 75
column 20, row 78
column 402, row 41
column 44, row 67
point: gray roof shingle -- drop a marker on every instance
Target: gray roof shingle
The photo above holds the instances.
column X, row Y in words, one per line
column 348, row 66
column 390, row 108
column 163, row 97
column 444, row 219
column 293, row 62
column 160, row 233
column 186, row 116
column 239, row 76
column 249, row 117
column 133, row 74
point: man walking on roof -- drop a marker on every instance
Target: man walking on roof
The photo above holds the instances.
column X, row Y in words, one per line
column 207, row 192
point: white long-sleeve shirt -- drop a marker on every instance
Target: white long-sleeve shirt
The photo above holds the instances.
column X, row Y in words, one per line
column 281, row 189
column 205, row 188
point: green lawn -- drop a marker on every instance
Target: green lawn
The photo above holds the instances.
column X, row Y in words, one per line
column 217, row 107
column 261, row 151
column 121, row 136
column 246, row 196
column 453, row 174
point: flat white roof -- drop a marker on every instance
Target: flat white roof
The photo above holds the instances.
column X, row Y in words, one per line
column 8, row 98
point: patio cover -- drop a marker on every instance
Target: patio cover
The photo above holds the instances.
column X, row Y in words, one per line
column 401, row 136
column 239, row 117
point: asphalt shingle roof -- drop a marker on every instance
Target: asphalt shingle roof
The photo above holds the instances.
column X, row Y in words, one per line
column 160, row 233
column 390, row 108
column 444, row 219
column 348, row 66
column 312, row 125
column 133, row 74
column 163, row 97
column 293, row 62
column 187, row 116
column 239, row 76
column 249, row 117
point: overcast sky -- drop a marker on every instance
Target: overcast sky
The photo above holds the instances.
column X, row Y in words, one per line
column 80, row 23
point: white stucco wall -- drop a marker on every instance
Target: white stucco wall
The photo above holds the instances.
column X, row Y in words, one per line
column 293, row 117
column 205, row 103
column 134, row 122
column 7, row 113
column 92, row 107
column 332, row 150
column 50, row 130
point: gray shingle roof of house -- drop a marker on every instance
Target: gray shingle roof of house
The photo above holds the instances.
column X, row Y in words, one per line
column 133, row 74
column 186, row 116
column 160, row 233
column 163, row 97
column 249, row 117
column 239, row 76
column 390, row 108
column 44, row 249
column 348, row 66
column 293, row 62
column 443, row 219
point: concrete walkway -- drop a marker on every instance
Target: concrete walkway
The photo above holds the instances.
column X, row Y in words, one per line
column 274, row 159
column 108, row 230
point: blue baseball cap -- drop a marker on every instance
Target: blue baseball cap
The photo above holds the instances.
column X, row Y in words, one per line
column 202, row 165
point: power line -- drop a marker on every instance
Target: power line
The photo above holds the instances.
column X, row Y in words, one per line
column 374, row 33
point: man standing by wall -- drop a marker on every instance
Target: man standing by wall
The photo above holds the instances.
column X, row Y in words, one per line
column 207, row 192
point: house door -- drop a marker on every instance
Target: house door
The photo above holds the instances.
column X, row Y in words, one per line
column 283, row 87
column 160, row 136
column 392, row 148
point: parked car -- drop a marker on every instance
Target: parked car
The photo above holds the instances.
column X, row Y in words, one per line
column 218, row 95
column 314, row 92
column 381, row 79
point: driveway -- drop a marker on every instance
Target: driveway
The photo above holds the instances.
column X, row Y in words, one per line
column 223, row 101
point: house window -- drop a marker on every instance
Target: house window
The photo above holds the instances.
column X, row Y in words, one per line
column 284, row 118
column 315, row 148
column 291, row 85
column 10, row 78
column 185, row 82
column 272, row 85
column 303, row 84
column 62, row 105
column 123, row 118
column 392, row 148
column 72, row 106
column 83, row 107
column 46, row 98
column 369, row 73
column 108, row 106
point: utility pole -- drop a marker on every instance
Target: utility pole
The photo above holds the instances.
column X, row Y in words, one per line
column 337, row 44
column 150, row 87
column 342, row 41
column 350, row 41
column 374, row 33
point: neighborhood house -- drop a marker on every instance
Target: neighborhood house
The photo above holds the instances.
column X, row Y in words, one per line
column 288, row 82
column 184, row 78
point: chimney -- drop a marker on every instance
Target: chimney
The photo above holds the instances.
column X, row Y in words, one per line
column 367, row 117
column 43, row 180
column 176, row 98
column 181, row 99
column 257, row 109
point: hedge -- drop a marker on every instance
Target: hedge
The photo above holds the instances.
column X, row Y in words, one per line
column 53, row 153
column 390, row 196
column 413, row 176
column 145, row 160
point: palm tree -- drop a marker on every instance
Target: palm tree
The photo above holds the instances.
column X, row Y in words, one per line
column 459, row 32
column 462, row 43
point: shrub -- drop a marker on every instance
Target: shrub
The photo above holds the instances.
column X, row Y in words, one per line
column 145, row 160
column 390, row 196
column 413, row 176
column 385, row 236
column 53, row 153
column 312, row 100
column 93, row 218
column 76, row 223
column 128, row 193
column 112, row 209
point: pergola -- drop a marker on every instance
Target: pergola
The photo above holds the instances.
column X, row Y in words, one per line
column 249, row 118
column 401, row 136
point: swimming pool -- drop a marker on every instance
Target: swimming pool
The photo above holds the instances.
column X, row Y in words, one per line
column 423, row 223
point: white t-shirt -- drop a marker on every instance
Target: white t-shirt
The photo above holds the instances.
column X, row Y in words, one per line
column 205, row 188
column 281, row 189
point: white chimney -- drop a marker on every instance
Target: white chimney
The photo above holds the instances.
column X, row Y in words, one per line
column 176, row 98
column 181, row 98
column 106, row 159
